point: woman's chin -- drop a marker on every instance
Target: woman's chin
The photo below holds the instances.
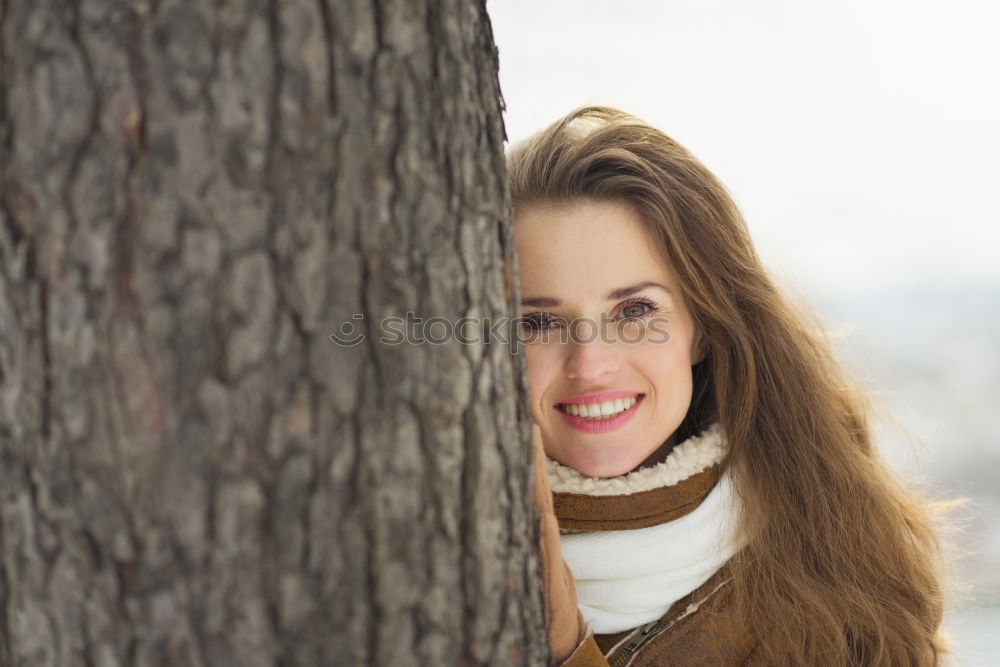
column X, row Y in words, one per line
column 602, row 468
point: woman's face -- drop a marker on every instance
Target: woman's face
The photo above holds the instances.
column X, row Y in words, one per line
column 577, row 262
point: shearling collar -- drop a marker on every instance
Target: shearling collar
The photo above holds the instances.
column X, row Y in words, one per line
column 642, row 498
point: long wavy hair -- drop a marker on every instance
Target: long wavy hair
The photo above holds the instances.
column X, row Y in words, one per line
column 842, row 564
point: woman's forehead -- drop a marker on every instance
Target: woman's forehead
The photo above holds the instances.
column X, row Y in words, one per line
column 588, row 250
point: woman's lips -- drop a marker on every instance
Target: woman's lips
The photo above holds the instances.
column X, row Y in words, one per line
column 600, row 396
column 602, row 425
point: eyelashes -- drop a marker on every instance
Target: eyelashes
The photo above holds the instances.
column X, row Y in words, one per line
column 535, row 322
column 639, row 301
column 539, row 321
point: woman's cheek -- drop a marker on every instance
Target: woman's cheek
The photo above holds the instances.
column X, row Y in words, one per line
column 536, row 388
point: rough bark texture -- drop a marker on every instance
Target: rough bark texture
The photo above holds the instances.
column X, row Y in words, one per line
column 195, row 195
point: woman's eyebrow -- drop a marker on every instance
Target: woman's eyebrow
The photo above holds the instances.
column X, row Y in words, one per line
column 623, row 292
column 613, row 295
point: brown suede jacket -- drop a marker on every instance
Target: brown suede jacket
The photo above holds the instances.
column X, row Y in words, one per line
column 698, row 629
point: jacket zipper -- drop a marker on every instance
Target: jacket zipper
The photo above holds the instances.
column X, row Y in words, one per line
column 640, row 638
column 623, row 656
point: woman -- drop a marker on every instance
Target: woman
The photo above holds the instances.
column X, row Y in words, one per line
column 716, row 498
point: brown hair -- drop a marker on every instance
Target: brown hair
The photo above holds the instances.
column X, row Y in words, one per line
column 842, row 565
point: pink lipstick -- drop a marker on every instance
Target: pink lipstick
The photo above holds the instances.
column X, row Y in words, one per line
column 600, row 396
column 602, row 425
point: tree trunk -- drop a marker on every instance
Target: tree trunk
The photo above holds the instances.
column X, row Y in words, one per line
column 195, row 196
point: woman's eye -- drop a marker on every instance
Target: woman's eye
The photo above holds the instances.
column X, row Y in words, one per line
column 538, row 322
column 636, row 309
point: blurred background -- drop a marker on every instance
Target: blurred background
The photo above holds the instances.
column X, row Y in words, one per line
column 861, row 140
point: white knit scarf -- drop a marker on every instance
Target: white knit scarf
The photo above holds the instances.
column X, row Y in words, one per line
column 626, row 578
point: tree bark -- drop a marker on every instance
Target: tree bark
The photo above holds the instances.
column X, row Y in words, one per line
column 195, row 196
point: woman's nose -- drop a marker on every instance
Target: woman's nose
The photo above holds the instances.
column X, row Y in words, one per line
column 591, row 357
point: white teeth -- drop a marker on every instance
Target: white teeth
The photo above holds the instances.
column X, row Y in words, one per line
column 600, row 410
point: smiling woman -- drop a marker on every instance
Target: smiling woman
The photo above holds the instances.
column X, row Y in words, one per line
column 717, row 496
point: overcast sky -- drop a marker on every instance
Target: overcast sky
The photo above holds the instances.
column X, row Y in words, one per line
column 859, row 137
